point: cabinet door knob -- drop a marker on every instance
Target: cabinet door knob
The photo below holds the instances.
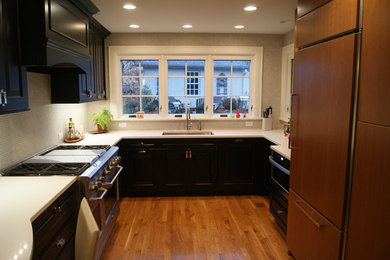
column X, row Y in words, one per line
column 60, row 242
column 3, row 98
column 57, row 209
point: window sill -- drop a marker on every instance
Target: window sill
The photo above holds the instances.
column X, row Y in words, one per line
column 122, row 119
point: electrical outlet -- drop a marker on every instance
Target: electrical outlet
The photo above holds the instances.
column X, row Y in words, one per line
column 122, row 125
column 60, row 135
column 249, row 123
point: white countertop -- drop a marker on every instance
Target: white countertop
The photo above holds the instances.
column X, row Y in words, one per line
column 22, row 200
column 113, row 137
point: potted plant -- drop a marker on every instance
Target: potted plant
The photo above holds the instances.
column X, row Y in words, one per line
column 102, row 118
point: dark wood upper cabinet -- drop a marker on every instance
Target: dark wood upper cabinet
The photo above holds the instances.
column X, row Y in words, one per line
column 333, row 18
column 13, row 83
column 374, row 90
column 320, row 124
column 306, row 6
column 370, row 212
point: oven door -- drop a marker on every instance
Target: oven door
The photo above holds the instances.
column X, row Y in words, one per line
column 280, row 177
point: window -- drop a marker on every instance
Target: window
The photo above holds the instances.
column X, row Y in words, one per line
column 140, row 86
column 161, row 81
column 231, row 86
column 186, row 86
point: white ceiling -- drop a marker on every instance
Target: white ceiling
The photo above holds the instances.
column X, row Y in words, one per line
column 206, row 16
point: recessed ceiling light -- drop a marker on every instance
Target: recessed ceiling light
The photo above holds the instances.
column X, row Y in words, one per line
column 129, row 6
column 239, row 26
column 187, row 26
column 134, row 26
column 250, row 8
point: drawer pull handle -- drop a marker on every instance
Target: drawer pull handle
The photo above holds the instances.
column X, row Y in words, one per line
column 142, row 152
column 57, row 209
column 186, row 154
column 190, row 156
column 60, row 242
column 318, row 225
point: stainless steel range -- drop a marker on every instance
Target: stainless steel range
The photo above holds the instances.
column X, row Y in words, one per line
column 97, row 168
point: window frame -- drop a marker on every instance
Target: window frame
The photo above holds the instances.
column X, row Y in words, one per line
column 165, row 53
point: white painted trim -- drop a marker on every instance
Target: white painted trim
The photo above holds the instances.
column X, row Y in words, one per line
column 285, row 102
column 162, row 53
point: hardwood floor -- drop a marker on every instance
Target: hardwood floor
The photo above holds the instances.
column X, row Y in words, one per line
column 218, row 227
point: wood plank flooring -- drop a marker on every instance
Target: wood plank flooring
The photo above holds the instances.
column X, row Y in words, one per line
column 217, row 227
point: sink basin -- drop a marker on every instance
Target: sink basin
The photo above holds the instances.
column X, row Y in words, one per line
column 190, row 132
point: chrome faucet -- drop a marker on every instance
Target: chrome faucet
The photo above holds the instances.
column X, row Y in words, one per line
column 188, row 117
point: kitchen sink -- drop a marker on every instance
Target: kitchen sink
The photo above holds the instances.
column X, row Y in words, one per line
column 189, row 132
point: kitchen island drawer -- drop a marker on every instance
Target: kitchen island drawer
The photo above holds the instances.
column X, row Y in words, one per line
column 309, row 234
column 333, row 18
column 58, row 219
column 279, row 210
column 60, row 242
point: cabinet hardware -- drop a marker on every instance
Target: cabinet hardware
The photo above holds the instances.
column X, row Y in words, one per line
column 142, row 151
column 160, row 107
column 318, row 225
column 207, row 107
column 60, row 242
column 186, row 154
column 3, row 98
column 280, row 212
column 57, row 209
column 190, row 155
column 251, row 107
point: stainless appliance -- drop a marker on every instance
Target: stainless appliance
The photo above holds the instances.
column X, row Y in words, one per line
column 279, row 188
column 97, row 168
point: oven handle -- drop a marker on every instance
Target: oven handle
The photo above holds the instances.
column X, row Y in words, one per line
column 107, row 185
column 101, row 196
column 277, row 165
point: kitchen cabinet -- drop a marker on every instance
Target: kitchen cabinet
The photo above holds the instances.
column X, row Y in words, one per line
column 322, row 124
column 54, row 229
column 193, row 166
column 97, row 34
column 310, row 235
column 13, row 75
column 332, row 19
column 370, row 212
column 374, row 91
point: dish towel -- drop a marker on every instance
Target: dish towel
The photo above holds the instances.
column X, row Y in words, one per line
column 87, row 233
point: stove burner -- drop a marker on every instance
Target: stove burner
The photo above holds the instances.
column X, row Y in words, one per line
column 43, row 169
column 82, row 147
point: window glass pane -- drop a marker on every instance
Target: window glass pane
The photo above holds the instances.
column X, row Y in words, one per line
column 130, row 67
column 222, row 66
column 176, row 67
column 196, row 105
column 149, row 67
column 196, row 65
column 176, row 105
column 241, row 68
column 221, row 105
column 240, row 86
column 240, row 104
column 131, row 105
column 150, row 105
column 130, row 86
column 222, row 86
column 150, row 86
column 195, row 86
column 176, row 86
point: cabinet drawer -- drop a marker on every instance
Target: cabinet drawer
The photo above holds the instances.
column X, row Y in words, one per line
column 309, row 234
column 279, row 211
column 333, row 18
column 51, row 220
column 60, row 241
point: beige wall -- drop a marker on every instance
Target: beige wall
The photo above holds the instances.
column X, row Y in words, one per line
column 26, row 133
column 272, row 46
column 288, row 38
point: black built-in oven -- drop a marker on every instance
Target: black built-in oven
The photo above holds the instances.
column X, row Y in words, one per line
column 279, row 187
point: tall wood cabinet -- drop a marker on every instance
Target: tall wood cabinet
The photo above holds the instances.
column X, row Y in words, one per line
column 369, row 226
column 327, row 38
column 340, row 125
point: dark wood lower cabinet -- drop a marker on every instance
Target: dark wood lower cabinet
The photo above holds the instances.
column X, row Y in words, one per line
column 168, row 167
column 54, row 230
